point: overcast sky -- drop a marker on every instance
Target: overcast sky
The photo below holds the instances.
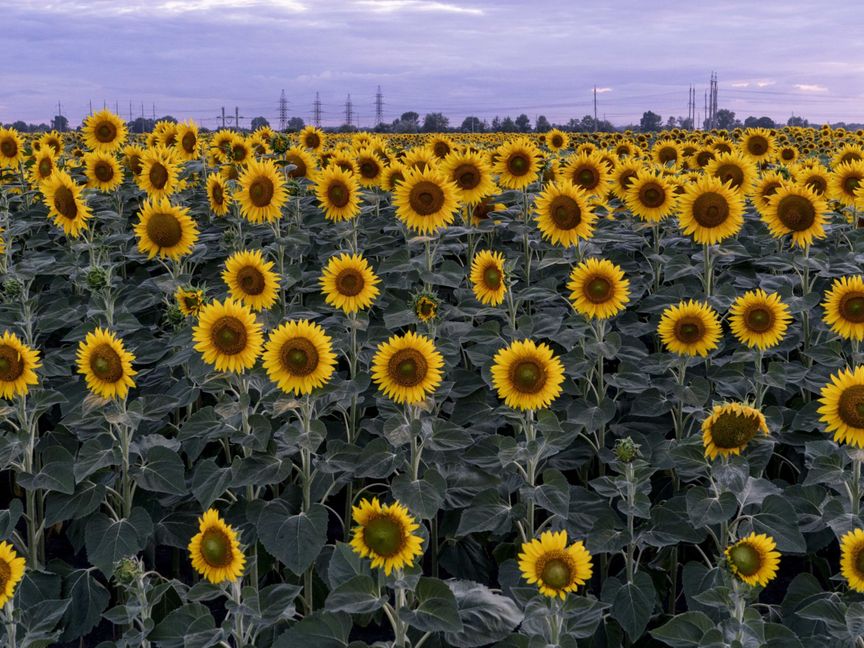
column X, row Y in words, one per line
column 460, row 57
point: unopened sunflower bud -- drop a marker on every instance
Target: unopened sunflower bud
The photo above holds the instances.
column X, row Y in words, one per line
column 626, row 450
column 97, row 278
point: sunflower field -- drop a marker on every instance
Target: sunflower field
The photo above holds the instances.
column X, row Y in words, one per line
column 348, row 390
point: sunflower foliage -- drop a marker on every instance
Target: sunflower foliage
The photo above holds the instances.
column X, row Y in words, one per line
column 274, row 390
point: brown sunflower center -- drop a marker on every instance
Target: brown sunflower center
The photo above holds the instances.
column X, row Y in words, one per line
column 734, row 430
column 106, row 363
column 518, row 164
column 492, row 277
column 164, row 229
column 731, row 173
column 797, row 213
column 407, row 367
column 189, row 142
column 45, row 167
column 218, row 195
column 158, row 175
column 850, row 184
column 251, row 280
column 338, row 194
column 626, row 178
column 384, row 536
column 704, row 157
column 297, row 161
column 350, row 282
column 565, row 212
column 105, row 132
column 556, row 573
column 667, row 154
column 787, row 154
column 528, row 376
column 746, row 559
column 229, row 335
column 103, row 171
column 216, row 548
column 9, row 147
column 817, row 184
column 759, row 319
column 851, row 406
column 65, row 203
column 689, row 329
column 369, row 168
column 598, row 289
column 426, row 198
column 467, row 176
column 710, row 209
column 757, row 145
column 770, row 189
column 587, row 177
column 652, row 195
column 11, row 363
column 441, row 149
column 134, row 163
column 261, row 191
column 5, row 574
column 299, row 356
column 557, row 141
column 313, row 141
column 852, row 307
column 859, row 563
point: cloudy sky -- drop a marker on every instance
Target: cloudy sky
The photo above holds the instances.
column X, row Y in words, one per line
column 460, row 57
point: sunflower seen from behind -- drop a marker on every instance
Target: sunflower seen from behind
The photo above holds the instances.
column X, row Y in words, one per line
column 598, row 289
column 527, row 375
column 349, row 283
column 563, row 214
column 165, row 230
column 66, row 204
column 299, row 357
column 488, row 280
column 759, row 319
column 730, row 427
column 425, row 200
column 852, row 559
column 228, row 336
column 189, row 300
column 407, row 368
column 18, row 364
column 709, row 211
column 844, row 307
column 251, row 280
column 796, row 210
column 553, row 566
column 754, row 559
column 385, row 534
column 262, row 192
column 338, row 193
column 215, row 549
column 105, row 364
column 842, row 407
column 690, row 328
column 104, row 131
column 11, row 572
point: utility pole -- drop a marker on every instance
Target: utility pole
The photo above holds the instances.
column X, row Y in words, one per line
column 237, row 117
column 316, row 110
column 223, row 116
column 154, row 112
column 595, row 108
column 349, row 111
column 283, row 112
column 91, row 107
column 706, row 126
column 130, row 110
column 379, row 107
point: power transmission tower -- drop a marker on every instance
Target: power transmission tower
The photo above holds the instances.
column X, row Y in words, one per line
column 714, row 105
column 130, row 111
column 237, row 117
column 595, row 108
column 706, row 126
column 154, row 112
column 223, row 116
column 349, row 111
column 283, row 112
column 316, row 110
column 379, row 107
column 91, row 107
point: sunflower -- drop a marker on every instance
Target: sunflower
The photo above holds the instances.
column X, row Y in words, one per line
column 797, row 210
column 851, row 559
column 103, row 171
column 338, row 192
column 733, row 169
column 623, row 175
column 557, row 140
column 650, row 196
column 844, row 307
column 843, row 406
column 425, row 200
column 369, row 167
column 228, row 336
column 441, row 146
column 690, row 328
column 104, row 131
column 11, row 572
column 105, row 364
column 847, row 153
column 483, row 210
column 815, row 177
column 598, row 289
column 241, row 151
column 730, row 427
column 133, row 159
column 556, row 568
column 262, row 192
column 44, row 165
column 312, row 138
column 787, row 154
column 218, row 194
column 425, row 306
column 758, row 144
column 710, row 211
column 667, row 152
column 518, row 163
column 215, row 549
column 385, row 533
column 587, row 171
column 471, row 174
column 189, row 300
column 563, row 214
column 407, row 368
column 766, row 186
column 159, row 175
column 251, row 280
column 758, row 319
column 527, row 375
column 66, row 205
column 220, row 144
column 753, row 559
column 51, row 139
column 348, row 283
column 394, row 174
column 165, row 229
column 299, row 357
column 187, row 142
column 303, row 162
column 844, row 183
column 17, row 365
column 488, row 280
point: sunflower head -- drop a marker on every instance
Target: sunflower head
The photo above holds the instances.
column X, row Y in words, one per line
column 348, row 283
column 407, row 368
column 426, row 305
column 710, row 211
column 104, row 131
column 758, row 144
column 165, row 230
column 312, row 138
column 733, row 169
column 228, row 336
column 758, row 319
column 650, row 196
column 103, row 171
column 557, row 140
column 690, row 328
column 527, row 375
column 730, row 427
column 338, row 192
column 425, row 200
column 262, row 192
column 215, row 549
column 189, row 300
column 11, row 572
column 754, row 559
column 105, row 364
column 299, row 357
column 598, row 289
column 303, row 162
column 18, row 363
column 65, row 202
column 251, row 280
column 471, row 174
column 588, row 171
column 842, row 407
column 488, row 280
column 517, row 163
column 553, row 566
column 797, row 210
column 845, row 182
column 852, row 559
column 564, row 215
column 218, row 194
column 844, row 307
column 385, row 534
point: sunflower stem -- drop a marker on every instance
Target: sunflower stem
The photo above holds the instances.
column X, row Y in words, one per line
column 855, row 485
column 531, row 467
column 708, row 274
column 631, row 502
column 9, row 622
column 34, row 524
column 238, row 617
column 554, row 621
column 757, row 379
column 740, row 606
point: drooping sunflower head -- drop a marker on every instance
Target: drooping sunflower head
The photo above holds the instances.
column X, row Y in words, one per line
column 426, row 305
column 348, row 283
column 312, row 138
column 65, row 202
column 564, row 215
column 304, row 164
column 517, row 163
column 105, row 364
column 598, row 289
column 160, row 172
column 299, row 357
column 385, row 534
column 734, row 170
column 228, row 336
column 262, row 192
column 18, row 363
column 842, row 407
column 754, row 559
column 189, row 300
column 557, row 140
column 650, row 196
column 758, row 144
column 215, row 549
column 710, row 211
column 844, row 307
column 104, row 131
column 845, row 181
column 690, row 328
column 471, row 174
column 338, row 192
column 165, row 230
column 758, row 319
column 797, row 210
column 103, row 171
column 251, row 280
column 11, row 572
column 488, row 280
column 730, row 427
column 527, row 375
column 407, row 368
column 852, row 559
column 425, row 200
column 218, row 194
column 553, row 566
column 588, row 171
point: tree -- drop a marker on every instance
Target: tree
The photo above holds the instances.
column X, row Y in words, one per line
column 295, row 124
column 523, row 124
column 671, row 122
column 435, row 123
column 650, row 122
column 794, row 120
column 725, row 119
column 168, row 118
column 60, row 123
column 408, row 122
column 258, row 122
column 759, row 122
column 141, row 125
column 508, row 125
column 542, row 125
column 473, row 124
column 496, row 123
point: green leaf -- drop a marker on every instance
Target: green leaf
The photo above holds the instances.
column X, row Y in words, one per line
column 321, row 630
column 423, row 497
column 684, row 630
column 209, row 482
column 436, row 609
column 554, row 494
column 486, row 617
column 486, row 513
column 633, row 605
column 56, row 473
column 778, row 518
column 108, row 541
column 295, row 540
column 357, row 595
column 88, row 599
column 345, row 563
column 181, row 623
column 704, row 510
column 163, row 472
column 86, row 499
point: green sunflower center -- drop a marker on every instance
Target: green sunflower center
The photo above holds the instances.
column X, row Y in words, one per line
column 528, row 376
column 261, row 191
column 587, row 177
column 850, row 184
column 407, row 367
column 65, row 203
column 518, row 164
column 556, row 574
column 710, row 209
column 106, row 363
column 852, row 307
column 164, row 229
column 745, row 558
column 850, row 406
column 11, row 363
column 251, row 280
column 338, row 194
column 492, row 277
column 734, row 430
column 45, row 167
column 299, row 356
column 797, row 213
column 384, row 536
column 350, row 282
column 759, row 319
column 216, row 548
column 565, row 213
column 598, row 289
column 689, row 329
column 229, row 335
